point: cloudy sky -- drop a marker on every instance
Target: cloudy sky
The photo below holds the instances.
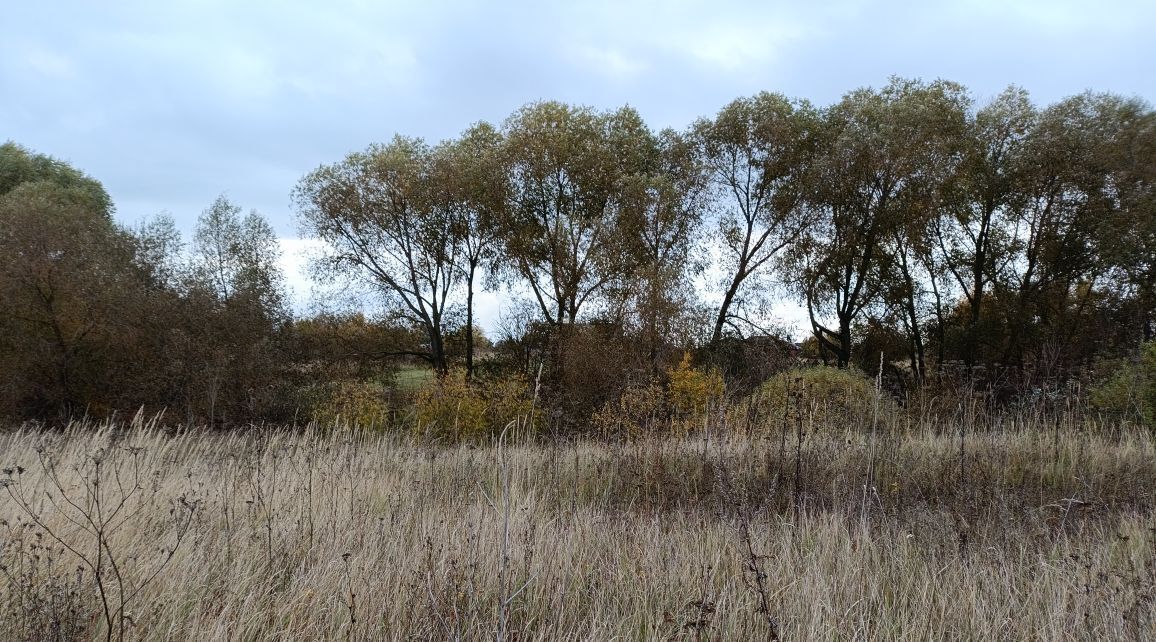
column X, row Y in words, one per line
column 171, row 103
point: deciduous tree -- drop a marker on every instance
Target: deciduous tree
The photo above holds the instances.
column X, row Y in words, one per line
column 873, row 176
column 757, row 153
column 564, row 226
column 468, row 182
column 384, row 224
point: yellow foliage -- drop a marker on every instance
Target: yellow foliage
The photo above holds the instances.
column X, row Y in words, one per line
column 691, row 390
column 638, row 410
column 1130, row 389
column 359, row 404
column 453, row 409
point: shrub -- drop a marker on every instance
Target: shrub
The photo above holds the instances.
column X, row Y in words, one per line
column 638, row 410
column 1131, row 388
column 360, row 404
column 452, row 409
column 837, row 397
column 588, row 366
column 748, row 362
column 691, row 390
column 643, row 409
column 507, row 398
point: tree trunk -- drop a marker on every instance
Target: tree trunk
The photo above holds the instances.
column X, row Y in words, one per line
column 470, row 322
column 724, row 308
column 917, row 360
column 939, row 330
column 975, row 307
column 972, row 342
column 438, row 351
column 844, row 354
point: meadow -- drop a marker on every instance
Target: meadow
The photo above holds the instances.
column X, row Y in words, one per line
column 1024, row 527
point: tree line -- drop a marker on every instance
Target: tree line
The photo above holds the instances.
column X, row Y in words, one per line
column 98, row 318
column 1001, row 237
column 1001, row 244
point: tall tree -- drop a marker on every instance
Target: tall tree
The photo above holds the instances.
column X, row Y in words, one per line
column 658, row 295
column 65, row 272
column 1132, row 186
column 973, row 236
column 1058, row 231
column 18, row 166
column 236, row 288
column 878, row 146
column 468, row 182
column 235, row 256
column 382, row 222
column 757, row 152
column 160, row 252
column 911, row 288
column 563, row 224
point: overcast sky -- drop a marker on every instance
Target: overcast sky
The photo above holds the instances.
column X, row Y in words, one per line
column 170, row 103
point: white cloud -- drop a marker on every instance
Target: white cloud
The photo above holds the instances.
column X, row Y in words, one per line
column 295, row 255
column 610, row 62
column 737, row 46
column 49, row 63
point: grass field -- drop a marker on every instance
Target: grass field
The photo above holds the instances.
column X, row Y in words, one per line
column 412, row 377
column 132, row 532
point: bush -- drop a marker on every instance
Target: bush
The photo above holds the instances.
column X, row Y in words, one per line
column 693, row 390
column 452, row 409
column 360, row 404
column 645, row 409
column 1130, row 390
column 589, row 366
column 638, row 410
column 837, row 397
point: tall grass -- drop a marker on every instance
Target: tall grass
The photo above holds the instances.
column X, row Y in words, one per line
column 1033, row 533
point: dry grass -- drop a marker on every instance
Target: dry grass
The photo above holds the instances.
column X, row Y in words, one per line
column 1030, row 534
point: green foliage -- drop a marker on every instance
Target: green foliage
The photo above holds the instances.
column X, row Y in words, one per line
column 832, row 396
column 1006, row 246
column 20, row 166
column 566, row 167
column 451, row 409
column 1130, row 389
column 412, row 377
column 756, row 153
column 386, row 222
column 886, row 152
